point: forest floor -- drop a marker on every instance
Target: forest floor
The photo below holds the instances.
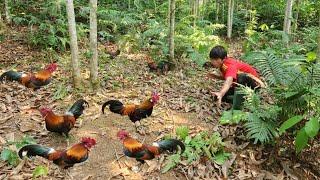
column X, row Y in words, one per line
column 184, row 101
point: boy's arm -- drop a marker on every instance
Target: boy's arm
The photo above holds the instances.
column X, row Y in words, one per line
column 215, row 76
column 226, row 86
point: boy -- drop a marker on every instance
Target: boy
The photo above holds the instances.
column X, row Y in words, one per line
column 232, row 71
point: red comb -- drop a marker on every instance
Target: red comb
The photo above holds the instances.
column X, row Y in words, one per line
column 88, row 140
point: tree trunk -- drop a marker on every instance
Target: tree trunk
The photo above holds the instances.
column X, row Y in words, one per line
column 191, row 6
column 230, row 18
column 194, row 13
column 318, row 47
column 73, row 44
column 319, row 18
column 222, row 13
column 287, row 18
column 171, row 29
column 296, row 24
column 217, row 11
column 93, row 44
column 7, row 11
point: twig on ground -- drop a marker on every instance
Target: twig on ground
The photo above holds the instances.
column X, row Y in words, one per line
column 117, row 157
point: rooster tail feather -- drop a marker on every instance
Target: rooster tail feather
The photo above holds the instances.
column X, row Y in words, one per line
column 114, row 105
column 35, row 150
column 77, row 108
column 11, row 75
column 170, row 145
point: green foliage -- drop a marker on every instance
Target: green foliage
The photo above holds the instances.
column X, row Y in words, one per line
column 310, row 130
column 289, row 123
column 10, row 155
column 39, row 171
column 262, row 119
column 182, row 132
column 301, row 140
column 202, row 144
column 293, row 81
column 173, row 161
column 312, row 127
column 61, row 92
column 232, row 117
column 269, row 67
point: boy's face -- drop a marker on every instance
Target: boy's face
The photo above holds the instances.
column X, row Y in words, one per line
column 216, row 63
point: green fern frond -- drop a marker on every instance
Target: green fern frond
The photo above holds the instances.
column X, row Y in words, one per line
column 260, row 130
column 261, row 121
column 269, row 67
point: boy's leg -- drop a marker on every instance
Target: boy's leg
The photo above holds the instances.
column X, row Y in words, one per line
column 246, row 80
column 228, row 97
column 238, row 97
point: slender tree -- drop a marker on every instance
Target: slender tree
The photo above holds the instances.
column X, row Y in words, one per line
column 297, row 16
column 73, row 45
column 7, row 11
column 171, row 28
column 318, row 47
column 93, row 43
column 217, row 10
column 195, row 12
column 288, row 16
column 230, row 18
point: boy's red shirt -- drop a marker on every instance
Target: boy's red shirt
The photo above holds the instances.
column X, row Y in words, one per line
column 232, row 67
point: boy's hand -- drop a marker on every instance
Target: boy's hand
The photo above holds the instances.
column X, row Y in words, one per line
column 218, row 95
column 211, row 76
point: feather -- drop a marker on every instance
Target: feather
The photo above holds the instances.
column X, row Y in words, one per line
column 77, row 108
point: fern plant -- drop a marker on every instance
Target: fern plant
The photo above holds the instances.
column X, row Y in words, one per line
column 261, row 120
column 294, row 83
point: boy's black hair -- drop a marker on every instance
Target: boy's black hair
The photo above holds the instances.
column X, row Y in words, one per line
column 218, row 52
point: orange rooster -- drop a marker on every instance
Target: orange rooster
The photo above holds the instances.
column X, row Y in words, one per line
column 64, row 158
column 142, row 152
column 34, row 81
column 63, row 123
column 135, row 112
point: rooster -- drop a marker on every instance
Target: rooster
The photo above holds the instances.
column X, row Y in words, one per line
column 34, row 81
column 135, row 112
column 142, row 152
column 64, row 158
column 112, row 50
column 63, row 123
column 161, row 67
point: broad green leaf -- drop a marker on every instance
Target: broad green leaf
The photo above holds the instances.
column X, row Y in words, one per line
column 301, row 140
column 5, row 154
column 208, row 153
column 182, row 132
column 25, row 140
column 39, row 171
column 312, row 127
column 10, row 156
column 232, row 117
column 188, row 140
column 172, row 162
column 289, row 123
column 264, row 27
column 311, row 56
column 315, row 91
column 221, row 157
